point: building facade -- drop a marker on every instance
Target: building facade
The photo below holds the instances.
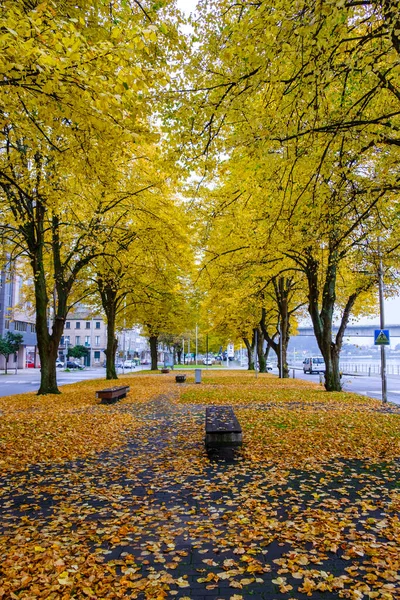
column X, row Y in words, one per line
column 133, row 345
column 17, row 316
column 83, row 329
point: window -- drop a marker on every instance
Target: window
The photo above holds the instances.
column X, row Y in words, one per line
column 68, row 325
column 87, row 324
column 66, row 339
column 87, row 340
column 97, row 355
column 32, row 327
column 7, row 324
column 77, row 340
column 97, row 340
column 20, row 326
column 78, row 325
column 97, row 324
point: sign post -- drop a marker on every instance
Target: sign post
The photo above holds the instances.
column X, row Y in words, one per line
column 383, row 337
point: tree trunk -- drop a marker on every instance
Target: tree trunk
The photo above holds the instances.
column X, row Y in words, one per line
column 6, row 364
column 260, row 352
column 282, row 291
column 110, row 351
column 271, row 343
column 153, row 340
column 109, row 301
column 179, row 353
column 332, row 374
column 323, row 320
column 250, row 353
column 47, row 344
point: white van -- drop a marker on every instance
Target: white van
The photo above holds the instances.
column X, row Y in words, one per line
column 314, row 364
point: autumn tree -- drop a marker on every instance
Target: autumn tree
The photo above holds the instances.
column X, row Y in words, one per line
column 73, row 98
column 304, row 107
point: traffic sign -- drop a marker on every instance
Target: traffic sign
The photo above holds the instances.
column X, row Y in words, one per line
column 382, row 337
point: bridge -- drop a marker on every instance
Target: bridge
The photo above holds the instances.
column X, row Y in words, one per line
column 355, row 330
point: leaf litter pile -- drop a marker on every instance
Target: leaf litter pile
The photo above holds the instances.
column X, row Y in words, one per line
column 122, row 501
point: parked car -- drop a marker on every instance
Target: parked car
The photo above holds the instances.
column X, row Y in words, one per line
column 314, row 364
column 59, row 363
column 129, row 364
column 269, row 366
column 31, row 365
column 208, row 361
column 73, row 365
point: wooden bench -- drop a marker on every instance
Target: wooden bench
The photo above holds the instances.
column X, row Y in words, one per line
column 180, row 378
column 222, row 428
column 111, row 395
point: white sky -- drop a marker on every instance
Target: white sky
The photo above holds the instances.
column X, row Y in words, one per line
column 392, row 314
column 187, row 6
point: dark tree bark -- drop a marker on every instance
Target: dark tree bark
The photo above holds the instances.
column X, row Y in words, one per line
column 260, row 351
column 179, row 354
column 153, row 341
column 322, row 318
column 109, row 300
column 250, row 351
column 321, row 308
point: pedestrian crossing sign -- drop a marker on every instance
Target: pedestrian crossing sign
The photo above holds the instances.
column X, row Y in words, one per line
column 382, row 337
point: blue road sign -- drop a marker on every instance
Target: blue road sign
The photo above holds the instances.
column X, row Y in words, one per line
column 382, row 337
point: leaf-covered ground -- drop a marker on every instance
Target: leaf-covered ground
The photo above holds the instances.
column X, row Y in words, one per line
column 122, row 501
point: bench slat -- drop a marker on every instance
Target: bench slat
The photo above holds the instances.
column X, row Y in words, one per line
column 113, row 394
column 222, row 427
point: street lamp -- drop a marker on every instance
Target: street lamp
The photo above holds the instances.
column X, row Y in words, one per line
column 66, row 352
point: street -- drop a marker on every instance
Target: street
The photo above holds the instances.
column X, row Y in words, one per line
column 28, row 380
column 367, row 386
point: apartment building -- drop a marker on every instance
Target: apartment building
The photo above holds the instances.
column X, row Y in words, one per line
column 133, row 345
column 83, row 329
column 18, row 316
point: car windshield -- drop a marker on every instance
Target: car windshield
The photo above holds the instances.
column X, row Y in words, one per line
column 318, row 361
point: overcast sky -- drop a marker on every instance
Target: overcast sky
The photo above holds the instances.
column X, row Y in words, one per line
column 187, row 5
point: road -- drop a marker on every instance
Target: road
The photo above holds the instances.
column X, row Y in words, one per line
column 366, row 386
column 28, row 380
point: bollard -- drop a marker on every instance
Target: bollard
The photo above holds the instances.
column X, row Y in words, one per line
column 320, row 378
column 294, row 374
column 197, row 375
column 369, row 371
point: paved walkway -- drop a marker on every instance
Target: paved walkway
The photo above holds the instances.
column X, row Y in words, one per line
column 159, row 518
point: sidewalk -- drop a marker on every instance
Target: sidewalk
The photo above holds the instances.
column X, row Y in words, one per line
column 157, row 518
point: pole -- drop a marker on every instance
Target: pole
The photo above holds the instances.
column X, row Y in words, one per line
column 382, row 326
column 255, row 352
column 280, row 353
column 196, row 343
column 183, row 349
column 207, row 350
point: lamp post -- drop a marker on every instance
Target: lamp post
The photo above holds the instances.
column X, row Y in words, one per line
column 382, row 326
column 197, row 333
